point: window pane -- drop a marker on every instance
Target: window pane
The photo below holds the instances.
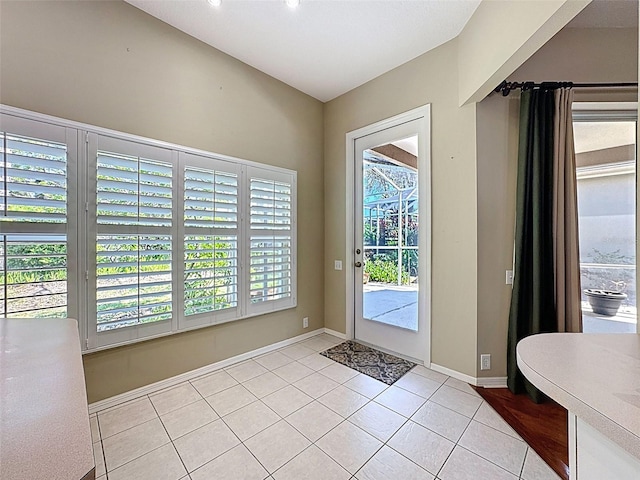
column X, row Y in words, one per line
column 34, row 180
column 210, row 273
column 133, row 279
column 33, row 276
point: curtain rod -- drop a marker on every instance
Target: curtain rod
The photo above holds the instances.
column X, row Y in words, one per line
column 506, row 87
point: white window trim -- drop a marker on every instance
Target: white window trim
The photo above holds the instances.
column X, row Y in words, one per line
column 82, row 227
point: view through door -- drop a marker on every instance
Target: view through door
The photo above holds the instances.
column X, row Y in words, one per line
column 606, row 181
column 391, row 182
column 390, row 233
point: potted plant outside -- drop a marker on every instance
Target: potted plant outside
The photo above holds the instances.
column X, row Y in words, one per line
column 606, row 302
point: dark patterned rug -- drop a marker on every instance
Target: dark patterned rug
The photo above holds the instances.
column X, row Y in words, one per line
column 379, row 365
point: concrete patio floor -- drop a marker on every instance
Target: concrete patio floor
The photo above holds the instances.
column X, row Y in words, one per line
column 594, row 323
column 391, row 304
column 398, row 305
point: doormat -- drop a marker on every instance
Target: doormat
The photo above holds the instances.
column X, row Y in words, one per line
column 379, row 365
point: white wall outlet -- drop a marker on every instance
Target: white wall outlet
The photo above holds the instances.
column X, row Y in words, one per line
column 485, row 361
column 337, row 264
column 305, row 322
column 509, row 277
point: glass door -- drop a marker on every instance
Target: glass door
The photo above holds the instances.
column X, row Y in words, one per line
column 388, row 311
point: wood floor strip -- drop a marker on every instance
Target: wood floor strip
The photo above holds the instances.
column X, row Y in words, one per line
column 543, row 426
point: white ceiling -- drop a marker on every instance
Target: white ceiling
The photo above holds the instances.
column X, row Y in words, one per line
column 323, row 47
column 408, row 145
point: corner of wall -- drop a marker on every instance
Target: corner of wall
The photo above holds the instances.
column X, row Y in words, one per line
column 486, row 59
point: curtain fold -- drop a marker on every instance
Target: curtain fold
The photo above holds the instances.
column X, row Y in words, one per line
column 546, row 284
column 565, row 221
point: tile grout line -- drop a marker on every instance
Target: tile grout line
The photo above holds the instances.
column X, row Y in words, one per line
column 169, row 436
column 241, row 443
column 487, row 460
column 138, row 424
column 526, row 454
column 521, row 440
column 139, row 456
column 104, row 458
column 456, row 444
column 368, row 458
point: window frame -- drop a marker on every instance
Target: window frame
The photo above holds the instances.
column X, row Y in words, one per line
column 82, row 226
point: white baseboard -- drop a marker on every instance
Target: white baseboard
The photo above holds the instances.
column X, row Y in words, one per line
column 455, row 374
column 335, row 334
column 485, row 382
column 183, row 377
column 492, row 382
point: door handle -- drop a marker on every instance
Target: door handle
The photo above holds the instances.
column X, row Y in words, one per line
column 358, row 264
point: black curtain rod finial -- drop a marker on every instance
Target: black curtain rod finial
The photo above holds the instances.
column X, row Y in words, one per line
column 504, row 87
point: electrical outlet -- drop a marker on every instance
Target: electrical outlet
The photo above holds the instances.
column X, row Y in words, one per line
column 305, row 322
column 337, row 264
column 485, row 361
column 509, row 277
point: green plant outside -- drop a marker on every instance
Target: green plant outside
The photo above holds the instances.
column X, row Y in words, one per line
column 385, row 271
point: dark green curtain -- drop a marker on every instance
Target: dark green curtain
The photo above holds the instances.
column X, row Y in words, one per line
column 532, row 301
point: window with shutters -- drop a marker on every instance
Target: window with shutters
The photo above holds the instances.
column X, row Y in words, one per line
column 134, row 239
column 211, row 228
column 271, row 239
column 36, row 163
column 137, row 238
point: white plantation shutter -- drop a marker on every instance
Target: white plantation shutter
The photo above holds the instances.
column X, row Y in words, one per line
column 272, row 236
column 137, row 238
column 134, row 292
column 37, row 207
column 210, row 232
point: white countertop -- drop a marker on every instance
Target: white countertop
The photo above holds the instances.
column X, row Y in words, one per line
column 594, row 376
column 44, row 420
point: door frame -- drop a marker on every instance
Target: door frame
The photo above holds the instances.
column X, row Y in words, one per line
column 422, row 113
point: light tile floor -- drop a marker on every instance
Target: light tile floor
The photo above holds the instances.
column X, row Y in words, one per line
column 295, row 415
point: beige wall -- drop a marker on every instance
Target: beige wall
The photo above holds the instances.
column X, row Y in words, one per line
column 111, row 65
column 579, row 55
column 431, row 78
column 497, row 136
column 501, row 35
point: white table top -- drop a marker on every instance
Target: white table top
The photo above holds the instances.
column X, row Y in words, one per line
column 594, row 376
column 44, row 420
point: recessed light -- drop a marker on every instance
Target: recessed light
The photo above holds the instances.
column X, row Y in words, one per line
column 215, row 3
column 292, row 3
